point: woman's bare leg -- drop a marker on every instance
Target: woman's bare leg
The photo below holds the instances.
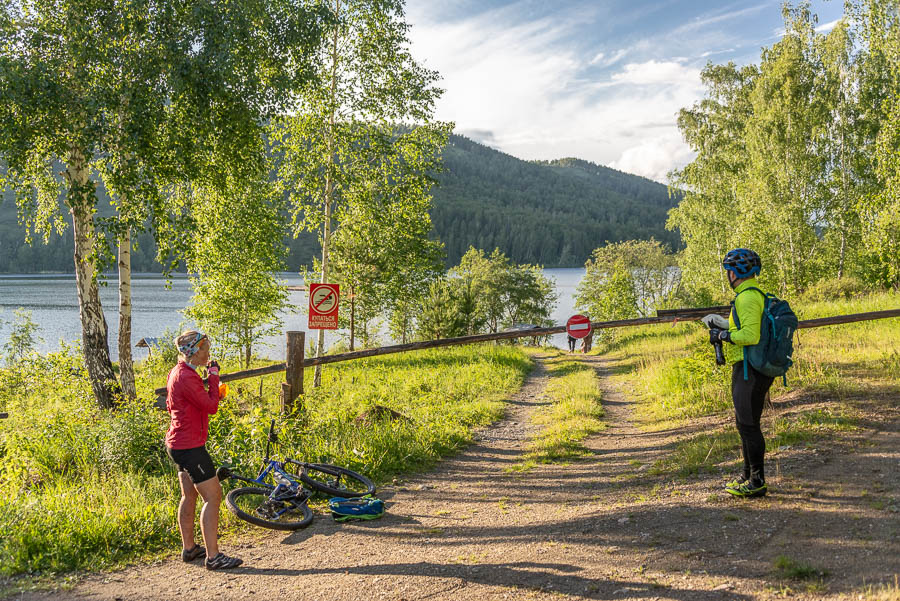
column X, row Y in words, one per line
column 211, row 491
column 186, row 508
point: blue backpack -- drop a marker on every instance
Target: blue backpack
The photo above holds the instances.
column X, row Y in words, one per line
column 771, row 356
column 361, row 508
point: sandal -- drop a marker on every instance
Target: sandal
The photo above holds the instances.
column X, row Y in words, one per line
column 222, row 562
column 188, row 555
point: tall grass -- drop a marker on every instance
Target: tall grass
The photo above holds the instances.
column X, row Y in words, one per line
column 574, row 413
column 84, row 488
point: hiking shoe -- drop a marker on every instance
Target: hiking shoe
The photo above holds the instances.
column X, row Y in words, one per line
column 222, row 562
column 189, row 555
column 748, row 489
column 736, row 483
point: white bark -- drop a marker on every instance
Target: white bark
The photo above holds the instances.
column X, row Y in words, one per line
column 126, row 363
column 94, row 333
column 329, row 189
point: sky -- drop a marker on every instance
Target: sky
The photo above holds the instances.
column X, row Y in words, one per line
column 601, row 80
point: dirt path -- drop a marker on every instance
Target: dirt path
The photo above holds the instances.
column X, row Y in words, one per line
column 602, row 528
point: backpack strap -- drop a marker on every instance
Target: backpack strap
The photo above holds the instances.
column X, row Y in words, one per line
column 737, row 321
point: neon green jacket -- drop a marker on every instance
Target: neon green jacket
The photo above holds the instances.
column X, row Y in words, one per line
column 749, row 308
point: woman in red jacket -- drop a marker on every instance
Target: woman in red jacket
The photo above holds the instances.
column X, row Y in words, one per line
column 190, row 404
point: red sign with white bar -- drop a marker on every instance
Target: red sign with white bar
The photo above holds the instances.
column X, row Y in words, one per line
column 323, row 306
column 578, row 326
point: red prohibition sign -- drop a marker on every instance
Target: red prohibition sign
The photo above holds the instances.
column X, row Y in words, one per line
column 323, row 299
column 578, row 326
column 323, row 306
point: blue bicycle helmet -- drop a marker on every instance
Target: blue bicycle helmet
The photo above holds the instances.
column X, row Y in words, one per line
column 743, row 262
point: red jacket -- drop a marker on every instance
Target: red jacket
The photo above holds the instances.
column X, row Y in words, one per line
column 190, row 406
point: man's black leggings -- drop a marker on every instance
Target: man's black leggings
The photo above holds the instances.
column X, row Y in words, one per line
column 748, row 397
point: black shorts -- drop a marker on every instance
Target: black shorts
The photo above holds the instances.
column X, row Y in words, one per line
column 196, row 462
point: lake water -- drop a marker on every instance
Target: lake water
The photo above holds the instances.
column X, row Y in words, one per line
column 54, row 306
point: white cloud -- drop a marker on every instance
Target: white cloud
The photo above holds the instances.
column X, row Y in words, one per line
column 526, row 88
column 655, row 157
column 725, row 14
column 658, row 73
column 604, row 61
column 824, row 27
column 712, row 52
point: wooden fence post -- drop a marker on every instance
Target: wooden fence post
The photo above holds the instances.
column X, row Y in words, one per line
column 293, row 372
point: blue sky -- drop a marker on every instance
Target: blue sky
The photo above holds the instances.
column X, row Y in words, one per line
column 601, row 80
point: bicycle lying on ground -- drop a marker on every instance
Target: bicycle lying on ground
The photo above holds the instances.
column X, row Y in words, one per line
column 283, row 506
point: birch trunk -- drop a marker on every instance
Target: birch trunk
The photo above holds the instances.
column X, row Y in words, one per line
column 94, row 333
column 352, row 319
column 248, row 348
column 126, row 363
column 329, row 187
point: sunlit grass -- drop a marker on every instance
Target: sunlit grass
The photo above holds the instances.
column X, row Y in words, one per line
column 574, row 414
column 889, row 591
column 710, row 451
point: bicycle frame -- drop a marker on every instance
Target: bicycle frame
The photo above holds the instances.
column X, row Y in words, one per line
column 274, row 467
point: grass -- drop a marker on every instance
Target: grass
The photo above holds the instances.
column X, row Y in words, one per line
column 574, row 414
column 792, row 569
column 82, row 488
column 711, row 451
column 889, row 591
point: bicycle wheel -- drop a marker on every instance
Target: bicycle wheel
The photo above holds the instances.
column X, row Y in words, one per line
column 334, row 480
column 252, row 504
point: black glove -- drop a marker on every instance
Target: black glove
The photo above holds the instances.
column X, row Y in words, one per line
column 213, row 368
column 717, row 335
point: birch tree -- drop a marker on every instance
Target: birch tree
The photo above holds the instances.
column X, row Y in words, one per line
column 369, row 84
column 880, row 90
column 238, row 249
column 712, row 183
column 133, row 93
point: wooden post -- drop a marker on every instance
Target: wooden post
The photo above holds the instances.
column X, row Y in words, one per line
column 293, row 372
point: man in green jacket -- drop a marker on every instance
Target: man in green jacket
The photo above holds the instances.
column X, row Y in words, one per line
column 748, row 386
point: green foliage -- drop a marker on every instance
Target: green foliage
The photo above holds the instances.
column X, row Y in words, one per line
column 381, row 254
column 344, row 162
column 22, row 337
column 836, row 288
column 547, row 213
column 235, row 253
column 137, row 96
column 482, row 198
column 82, row 488
column 442, row 313
column 613, row 297
column 787, row 567
column 796, row 158
column 486, row 292
column 627, row 279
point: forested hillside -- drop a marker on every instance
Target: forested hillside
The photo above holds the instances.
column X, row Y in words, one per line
column 550, row 213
